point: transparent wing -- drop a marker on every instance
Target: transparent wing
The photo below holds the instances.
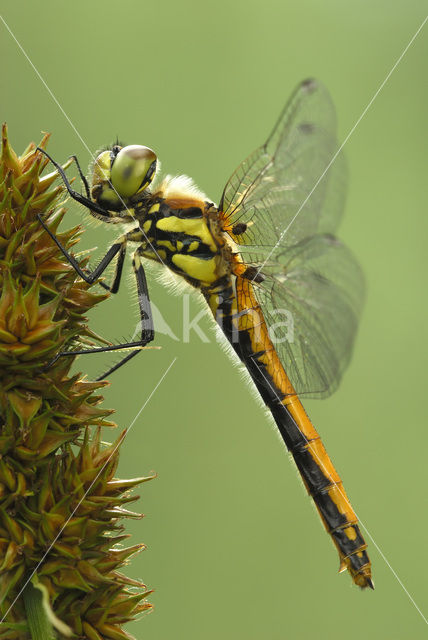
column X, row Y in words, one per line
column 284, row 190
column 281, row 207
column 311, row 302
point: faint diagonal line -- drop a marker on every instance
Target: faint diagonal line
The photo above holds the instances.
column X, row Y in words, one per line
column 321, row 464
column 45, row 84
column 388, row 564
column 397, row 62
column 89, row 488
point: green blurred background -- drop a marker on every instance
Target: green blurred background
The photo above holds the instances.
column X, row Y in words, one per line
column 235, row 548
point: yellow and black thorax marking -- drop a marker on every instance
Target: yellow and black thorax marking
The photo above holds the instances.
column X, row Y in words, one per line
column 182, row 234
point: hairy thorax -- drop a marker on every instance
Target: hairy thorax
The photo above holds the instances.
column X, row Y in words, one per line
column 184, row 233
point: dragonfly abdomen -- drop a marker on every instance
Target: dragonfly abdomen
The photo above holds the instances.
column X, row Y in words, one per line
column 241, row 319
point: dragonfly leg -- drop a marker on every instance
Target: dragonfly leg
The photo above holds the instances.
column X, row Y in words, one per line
column 147, row 328
column 135, row 344
column 104, row 214
column 119, row 247
column 82, row 177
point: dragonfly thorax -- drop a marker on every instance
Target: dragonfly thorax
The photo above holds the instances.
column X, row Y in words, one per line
column 180, row 235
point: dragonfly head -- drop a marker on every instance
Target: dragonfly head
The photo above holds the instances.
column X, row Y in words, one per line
column 121, row 173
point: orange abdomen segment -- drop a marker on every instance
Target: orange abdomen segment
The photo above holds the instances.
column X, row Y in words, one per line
column 321, row 479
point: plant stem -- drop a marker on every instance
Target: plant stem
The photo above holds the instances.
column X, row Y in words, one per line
column 40, row 627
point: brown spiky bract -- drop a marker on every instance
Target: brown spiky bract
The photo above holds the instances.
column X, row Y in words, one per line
column 56, row 479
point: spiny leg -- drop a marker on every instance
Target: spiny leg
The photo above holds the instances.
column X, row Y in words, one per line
column 147, row 327
column 117, row 247
column 147, row 335
column 104, row 214
column 82, row 177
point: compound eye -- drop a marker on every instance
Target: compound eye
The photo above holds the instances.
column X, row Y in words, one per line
column 132, row 170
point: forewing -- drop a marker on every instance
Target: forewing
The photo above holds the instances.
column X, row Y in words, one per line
column 286, row 190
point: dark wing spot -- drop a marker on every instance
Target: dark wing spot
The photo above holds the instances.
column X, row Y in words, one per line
column 309, row 85
column 239, row 228
column 306, row 128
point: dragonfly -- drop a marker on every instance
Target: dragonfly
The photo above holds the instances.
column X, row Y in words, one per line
column 268, row 248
